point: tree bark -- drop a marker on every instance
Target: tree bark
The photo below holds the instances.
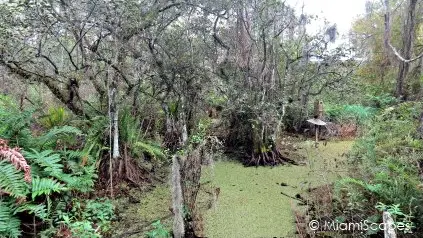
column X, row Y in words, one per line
column 183, row 123
column 408, row 40
column 387, row 32
column 116, row 153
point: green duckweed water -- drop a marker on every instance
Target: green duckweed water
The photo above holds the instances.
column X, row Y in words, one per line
column 250, row 202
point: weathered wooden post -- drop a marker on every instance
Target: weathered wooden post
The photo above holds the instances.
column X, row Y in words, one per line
column 318, row 109
column 389, row 225
column 316, row 121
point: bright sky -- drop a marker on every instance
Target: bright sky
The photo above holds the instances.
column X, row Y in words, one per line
column 341, row 12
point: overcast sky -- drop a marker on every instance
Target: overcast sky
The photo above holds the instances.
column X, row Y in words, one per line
column 341, row 12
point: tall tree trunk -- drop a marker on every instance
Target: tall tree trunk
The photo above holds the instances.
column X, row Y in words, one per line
column 183, row 123
column 116, row 153
column 408, row 40
column 113, row 117
column 387, row 32
column 386, row 36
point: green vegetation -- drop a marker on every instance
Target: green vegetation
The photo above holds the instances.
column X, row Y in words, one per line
column 53, row 174
column 153, row 206
column 159, row 231
column 117, row 118
column 349, row 113
column 385, row 170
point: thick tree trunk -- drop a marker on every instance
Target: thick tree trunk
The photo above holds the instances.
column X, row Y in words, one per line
column 172, row 135
column 406, row 51
column 190, row 181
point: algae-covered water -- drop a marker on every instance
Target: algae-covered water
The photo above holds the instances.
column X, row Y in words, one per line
column 251, row 203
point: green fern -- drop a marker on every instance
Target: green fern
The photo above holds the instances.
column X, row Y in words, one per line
column 9, row 224
column 129, row 127
column 14, row 126
column 49, row 139
column 83, row 169
column 11, row 180
column 82, row 182
column 45, row 186
column 46, row 160
column 59, row 209
column 76, row 160
column 38, row 210
column 373, row 188
column 96, row 132
column 130, row 134
column 151, row 148
column 56, row 116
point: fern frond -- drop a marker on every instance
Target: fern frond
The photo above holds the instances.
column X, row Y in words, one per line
column 57, row 131
column 96, row 136
column 45, row 186
column 374, row 188
column 83, row 181
column 54, row 134
column 12, row 181
column 151, row 148
column 9, row 224
column 56, row 116
column 129, row 127
column 38, row 210
column 16, row 158
column 74, row 154
column 50, row 162
column 76, row 160
column 14, row 125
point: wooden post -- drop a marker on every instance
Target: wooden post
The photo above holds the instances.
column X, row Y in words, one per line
column 389, row 225
column 318, row 114
column 317, row 135
column 318, row 109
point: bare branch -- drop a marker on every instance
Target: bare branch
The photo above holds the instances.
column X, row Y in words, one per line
column 398, row 55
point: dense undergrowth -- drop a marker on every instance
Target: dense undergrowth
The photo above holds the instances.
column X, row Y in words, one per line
column 52, row 195
column 385, row 171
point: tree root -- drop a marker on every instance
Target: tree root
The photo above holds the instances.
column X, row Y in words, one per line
column 125, row 169
column 272, row 158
